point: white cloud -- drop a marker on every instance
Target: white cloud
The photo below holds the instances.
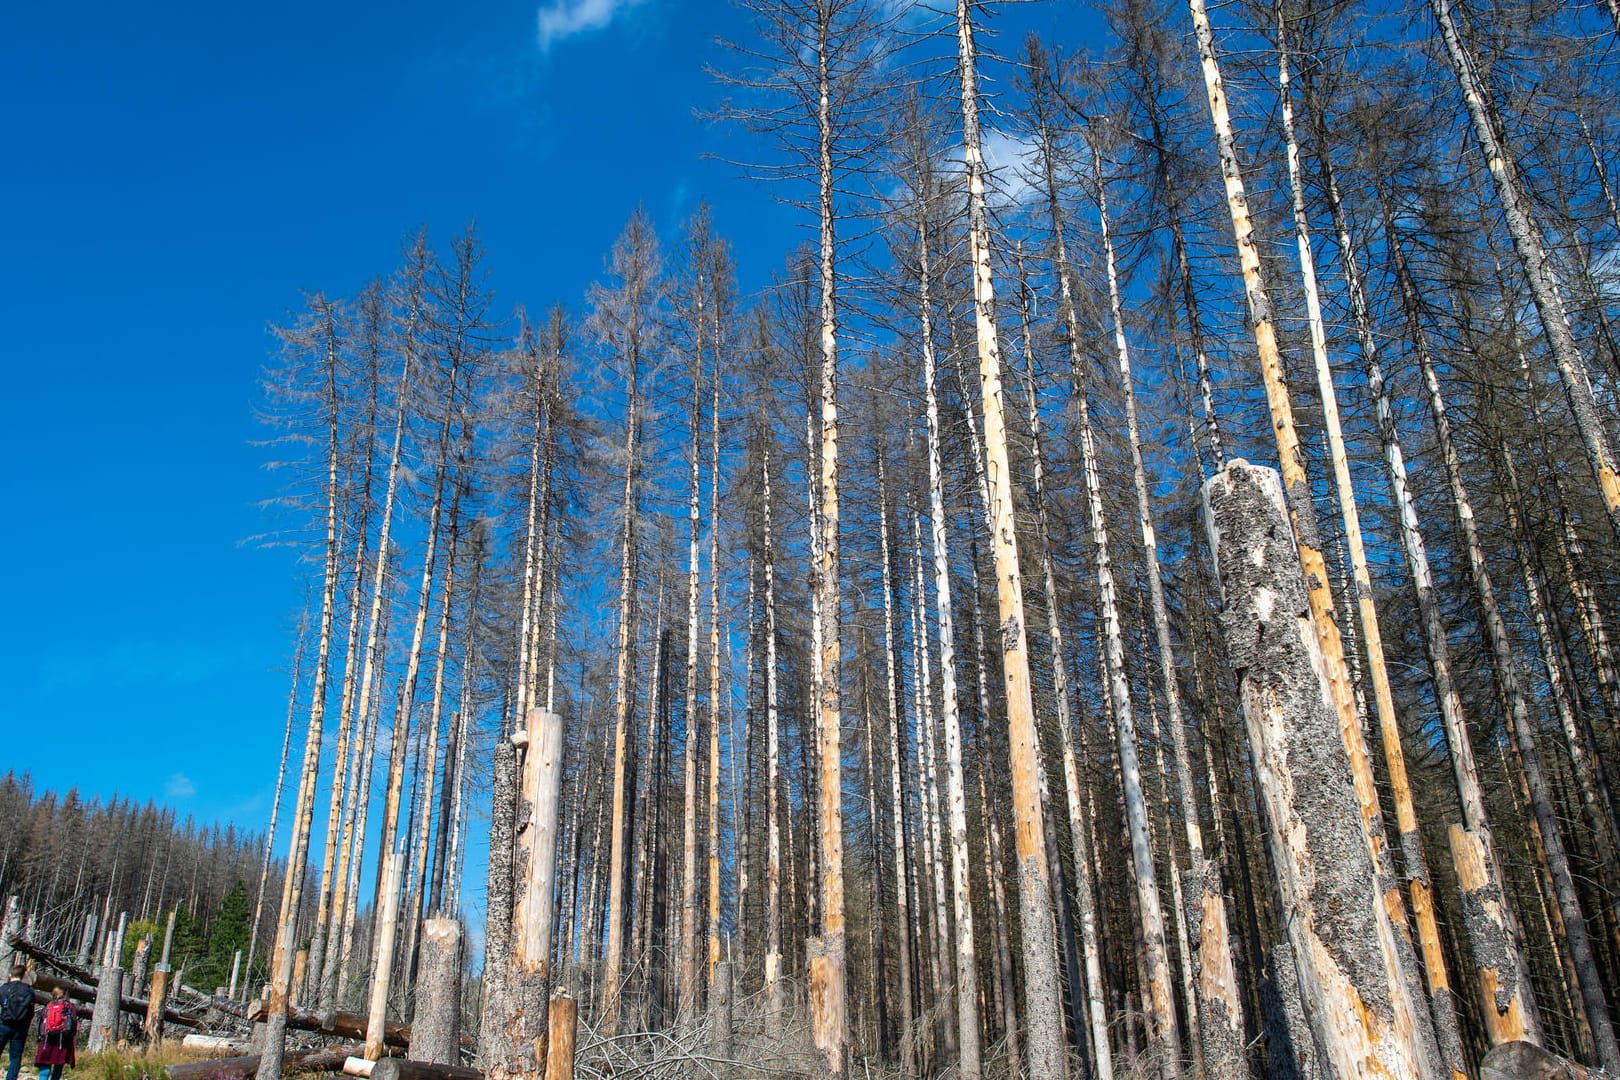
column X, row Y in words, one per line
column 179, row 786
column 1012, row 161
column 565, row 18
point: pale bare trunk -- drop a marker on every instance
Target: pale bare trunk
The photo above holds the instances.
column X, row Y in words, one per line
column 1048, row 1056
column 1511, row 1016
column 1539, row 274
column 714, row 665
column 1328, row 882
column 773, row 865
column 1405, row 1035
column 1442, row 1003
column 967, row 984
column 830, row 1026
column 1577, row 940
column 281, row 979
column 281, row 783
column 1216, row 1005
column 908, row 1062
column 690, row 988
column 623, row 702
column 1085, row 886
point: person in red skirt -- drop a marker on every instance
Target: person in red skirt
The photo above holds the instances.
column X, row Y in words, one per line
column 58, row 1025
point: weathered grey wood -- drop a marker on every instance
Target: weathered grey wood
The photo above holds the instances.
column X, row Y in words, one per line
column 720, row 1010
column 347, row 1025
column 11, row 931
column 1337, row 923
column 1526, row 1061
column 401, row 1069
column 436, row 1025
column 329, row 1059
column 522, row 1014
column 109, row 997
column 498, row 934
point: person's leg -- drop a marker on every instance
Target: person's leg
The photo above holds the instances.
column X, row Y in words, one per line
column 14, row 1045
column 56, row 1071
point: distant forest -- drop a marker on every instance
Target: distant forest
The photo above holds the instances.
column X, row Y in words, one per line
column 70, row 860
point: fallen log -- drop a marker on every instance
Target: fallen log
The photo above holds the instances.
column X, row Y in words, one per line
column 346, row 1025
column 403, row 1069
column 1525, row 1061
column 44, row 984
column 214, row 1044
column 66, row 967
column 329, row 1059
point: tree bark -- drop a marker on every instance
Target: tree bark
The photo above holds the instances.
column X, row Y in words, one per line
column 436, row 1022
column 1330, row 887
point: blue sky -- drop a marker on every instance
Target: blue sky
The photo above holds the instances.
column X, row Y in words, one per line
column 174, row 176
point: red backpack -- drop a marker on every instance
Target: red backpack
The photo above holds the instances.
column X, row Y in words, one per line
column 59, row 1017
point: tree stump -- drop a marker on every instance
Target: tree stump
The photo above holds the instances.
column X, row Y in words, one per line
column 436, row 1025
column 720, row 1010
column 563, row 1025
column 104, row 1022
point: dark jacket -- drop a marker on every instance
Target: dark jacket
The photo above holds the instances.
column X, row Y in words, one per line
column 16, row 1005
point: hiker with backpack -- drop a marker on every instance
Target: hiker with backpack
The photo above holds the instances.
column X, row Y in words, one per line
column 16, row 1012
column 58, row 1024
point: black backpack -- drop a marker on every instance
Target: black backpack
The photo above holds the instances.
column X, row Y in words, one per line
column 16, row 1004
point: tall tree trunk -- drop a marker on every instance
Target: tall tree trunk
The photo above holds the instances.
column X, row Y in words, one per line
column 966, row 989
column 1324, row 871
column 690, row 989
column 275, row 806
column 1096, row 1011
column 623, row 707
column 1442, row 1002
column 1043, row 991
column 829, row 1024
column 1494, row 940
column 1577, row 940
column 1406, row 1034
column 281, row 980
column 1539, row 274
column 773, row 796
column 908, row 1062
column 1217, row 1007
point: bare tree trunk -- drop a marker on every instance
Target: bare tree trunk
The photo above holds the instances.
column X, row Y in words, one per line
column 1085, row 886
column 528, row 989
column 281, row 982
column 1442, row 1002
column 275, row 806
column 908, row 1062
column 1043, row 993
column 966, row 987
column 714, row 666
column 1216, row 1004
column 623, row 706
column 1582, row 955
column 1329, row 885
column 382, row 961
column 1409, row 1028
column 1497, row 954
column 500, row 903
column 942, row 957
column 690, row 989
column 1539, row 275
column 773, row 866
column 829, row 1024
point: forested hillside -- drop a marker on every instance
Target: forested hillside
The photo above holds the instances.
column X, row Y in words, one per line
column 925, row 681
column 76, row 867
